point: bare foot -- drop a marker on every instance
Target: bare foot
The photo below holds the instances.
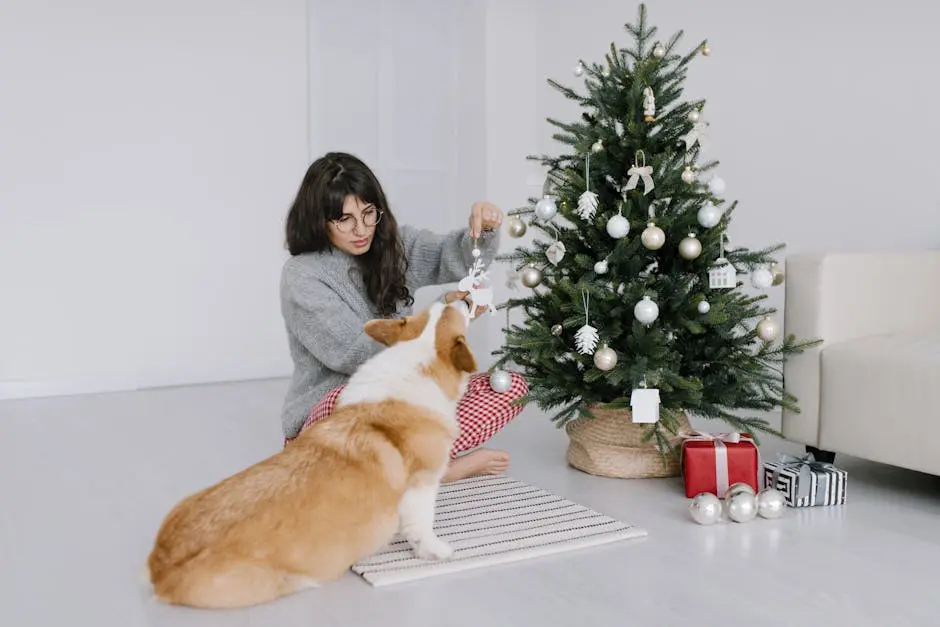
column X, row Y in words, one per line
column 479, row 462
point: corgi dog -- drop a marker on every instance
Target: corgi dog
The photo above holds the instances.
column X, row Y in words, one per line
column 341, row 490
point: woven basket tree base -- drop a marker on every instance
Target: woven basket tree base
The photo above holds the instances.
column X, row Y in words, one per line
column 611, row 445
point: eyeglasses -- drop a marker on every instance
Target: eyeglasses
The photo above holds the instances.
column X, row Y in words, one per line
column 370, row 217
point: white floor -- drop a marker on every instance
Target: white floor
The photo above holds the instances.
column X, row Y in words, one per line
column 85, row 481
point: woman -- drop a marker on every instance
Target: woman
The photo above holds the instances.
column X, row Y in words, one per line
column 350, row 263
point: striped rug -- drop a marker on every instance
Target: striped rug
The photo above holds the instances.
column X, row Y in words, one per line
column 496, row 520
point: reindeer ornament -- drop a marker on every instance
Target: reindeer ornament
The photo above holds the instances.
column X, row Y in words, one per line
column 478, row 295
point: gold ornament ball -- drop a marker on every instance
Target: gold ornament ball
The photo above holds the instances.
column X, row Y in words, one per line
column 516, row 228
column 706, row 50
column 531, row 276
column 659, row 51
column 688, row 176
column 653, row 237
column 605, row 358
column 767, row 329
column 778, row 275
column 694, row 115
column 690, row 248
column 557, row 330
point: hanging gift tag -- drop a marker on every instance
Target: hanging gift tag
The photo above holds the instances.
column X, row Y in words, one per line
column 644, row 405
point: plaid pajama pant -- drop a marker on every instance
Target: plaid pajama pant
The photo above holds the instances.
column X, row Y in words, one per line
column 481, row 412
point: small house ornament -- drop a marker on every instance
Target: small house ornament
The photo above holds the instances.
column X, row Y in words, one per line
column 644, row 405
column 722, row 275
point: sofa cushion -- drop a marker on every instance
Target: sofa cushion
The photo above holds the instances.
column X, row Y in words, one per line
column 887, row 385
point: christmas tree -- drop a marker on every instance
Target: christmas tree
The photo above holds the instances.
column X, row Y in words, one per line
column 634, row 285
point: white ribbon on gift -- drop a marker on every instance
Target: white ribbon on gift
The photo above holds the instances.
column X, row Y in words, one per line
column 636, row 173
column 721, row 453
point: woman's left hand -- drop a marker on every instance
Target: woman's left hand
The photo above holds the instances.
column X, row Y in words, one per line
column 484, row 216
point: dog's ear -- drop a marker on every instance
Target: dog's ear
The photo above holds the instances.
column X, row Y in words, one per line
column 385, row 332
column 461, row 355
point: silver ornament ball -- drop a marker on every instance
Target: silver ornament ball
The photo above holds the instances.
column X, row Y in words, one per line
column 704, row 307
column 694, row 115
column 601, row 267
column 706, row 50
column 762, row 278
column 767, row 329
column 500, row 381
column 716, row 185
column 516, row 228
column 618, row 226
column 653, row 237
column 777, row 272
column 557, row 329
column 579, row 70
column 530, row 276
column 605, row 358
column 646, row 311
column 690, row 248
column 771, row 503
column 737, row 488
column 688, row 176
column 659, row 51
column 705, row 508
column 709, row 215
column 546, row 209
column 742, row 507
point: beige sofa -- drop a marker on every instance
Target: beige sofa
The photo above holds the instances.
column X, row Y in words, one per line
column 872, row 388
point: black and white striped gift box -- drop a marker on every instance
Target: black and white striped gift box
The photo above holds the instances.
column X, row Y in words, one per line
column 826, row 485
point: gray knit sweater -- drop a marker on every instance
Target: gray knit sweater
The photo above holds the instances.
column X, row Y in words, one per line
column 325, row 306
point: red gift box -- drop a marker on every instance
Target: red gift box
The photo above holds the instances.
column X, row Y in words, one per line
column 712, row 462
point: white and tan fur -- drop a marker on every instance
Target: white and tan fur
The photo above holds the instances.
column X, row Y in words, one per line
column 340, row 490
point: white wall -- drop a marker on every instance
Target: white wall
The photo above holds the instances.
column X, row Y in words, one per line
column 402, row 86
column 149, row 153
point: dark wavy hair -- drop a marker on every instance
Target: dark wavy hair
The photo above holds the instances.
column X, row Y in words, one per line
column 327, row 183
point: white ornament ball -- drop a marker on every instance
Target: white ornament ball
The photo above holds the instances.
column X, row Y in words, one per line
column 706, row 50
column 688, row 176
column 516, row 227
column 605, row 358
column 767, row 329
column 475, row 252
column 546, row 209
column 771, row 503
column 659, row 51
column 709, row 215
column 704, row 307
column 601, row 267
column 618, row 226
column 597, row 146
column 742, row 507
column 716, row 185
column 653, row 237
column 705, row 508
column 694, row 116
column 606, row 71
column 646, row 311
column 690, row 247
column 579, row 70
column 738, row 487
column 500, row 381
column 762, row 278
column 530, row 276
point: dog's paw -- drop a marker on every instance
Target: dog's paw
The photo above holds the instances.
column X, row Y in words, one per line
column 432, row 548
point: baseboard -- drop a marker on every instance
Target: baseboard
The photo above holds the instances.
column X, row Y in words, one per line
column 21, row 390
